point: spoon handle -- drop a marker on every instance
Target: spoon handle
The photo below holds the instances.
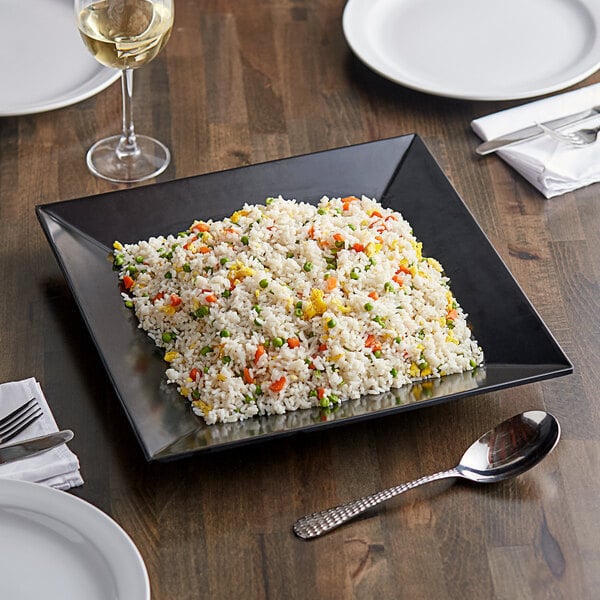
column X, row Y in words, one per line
column 318, row 523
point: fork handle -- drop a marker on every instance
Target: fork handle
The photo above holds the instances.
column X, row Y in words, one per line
column 318, row 523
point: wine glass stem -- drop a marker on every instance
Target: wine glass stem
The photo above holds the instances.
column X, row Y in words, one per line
column 128, row 146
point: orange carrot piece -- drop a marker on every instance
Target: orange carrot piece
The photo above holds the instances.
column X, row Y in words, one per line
column 293, row 342
column 248, row 375
column 278, row 385
column 260, row 350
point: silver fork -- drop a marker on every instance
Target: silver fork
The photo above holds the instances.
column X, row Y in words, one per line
column 19, row 420
column 580, row 137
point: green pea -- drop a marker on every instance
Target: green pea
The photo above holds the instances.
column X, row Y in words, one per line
column 168, row 275
column 245, row 240
column 168, row 336
column 368, row 306
column 224, row 261
column 206, row 350
column 224, row 333
column 226, row 359
column 263, row 283
column 394, row 372
column 308, row 266
column 226, row 294
column 139, row 260
column 331, row 323
column 277, row 342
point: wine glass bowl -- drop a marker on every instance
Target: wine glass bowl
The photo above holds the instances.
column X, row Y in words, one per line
column 126, row 34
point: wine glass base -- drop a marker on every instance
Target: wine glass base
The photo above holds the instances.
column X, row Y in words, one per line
column 151, row 160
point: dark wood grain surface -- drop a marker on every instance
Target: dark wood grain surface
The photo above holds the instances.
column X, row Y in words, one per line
column 242, row 82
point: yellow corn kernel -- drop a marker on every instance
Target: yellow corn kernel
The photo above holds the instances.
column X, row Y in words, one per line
column 171, row 356
column 414, row 370
column 203, row 406
column 168, row 309
column 336, row 357
column 184, row 391
column 235, row 217
column 435, row 264
column 221, row 377
column 426, row 372
column 117, row 245
column 372, row 248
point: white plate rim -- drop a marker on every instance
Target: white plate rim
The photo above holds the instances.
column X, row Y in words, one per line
column 353, row 26
column 99, row 78
column 86, row 519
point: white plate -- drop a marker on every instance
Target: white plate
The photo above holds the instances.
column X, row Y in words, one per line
column 477, row 49
column 54, row 545
column 44, row 62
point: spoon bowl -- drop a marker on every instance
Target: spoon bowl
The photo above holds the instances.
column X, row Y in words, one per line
column 509, row 449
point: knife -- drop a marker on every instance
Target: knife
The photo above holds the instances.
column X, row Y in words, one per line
column 34, row 446
column 534, row 131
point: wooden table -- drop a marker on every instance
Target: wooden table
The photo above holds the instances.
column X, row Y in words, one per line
column 245, row 82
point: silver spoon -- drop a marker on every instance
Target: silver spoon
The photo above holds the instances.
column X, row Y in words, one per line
column 511, row 448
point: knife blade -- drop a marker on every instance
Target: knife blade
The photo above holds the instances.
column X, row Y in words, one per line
column 534, row 131
column 34, row 446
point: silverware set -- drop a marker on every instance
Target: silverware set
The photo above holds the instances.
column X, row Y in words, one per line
column 18, row 421
column 555, row 129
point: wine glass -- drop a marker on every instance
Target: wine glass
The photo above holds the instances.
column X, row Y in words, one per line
column 126, row 34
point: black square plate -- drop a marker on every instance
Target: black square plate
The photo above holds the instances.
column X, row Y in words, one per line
column 402, row 174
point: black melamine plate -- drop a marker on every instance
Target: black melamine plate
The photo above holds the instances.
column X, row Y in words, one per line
column 402, row 174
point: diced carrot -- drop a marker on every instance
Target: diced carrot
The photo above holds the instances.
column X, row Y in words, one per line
column 338, row 237
column 200, row 227
column 194, row 373
column 260, row 350
column 204, row 249
column 322, row 347
column 320, row 393
column 452, row 314
column 403, row 269
column 210, row 298
column 293, row 342
column 311, row 232
column 331, row 283
column 398, row 279
column 248, row 375
column 349, row 199
column 358, row 247
column 278, row 385
column 229, row 230
column 158, row 296
column 374, row 295
column 372, row 343
column 379, row 239
column 175, row 300
column 128, row 282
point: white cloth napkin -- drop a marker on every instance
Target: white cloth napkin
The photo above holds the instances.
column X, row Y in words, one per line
column 59, row 467
column 552, row 166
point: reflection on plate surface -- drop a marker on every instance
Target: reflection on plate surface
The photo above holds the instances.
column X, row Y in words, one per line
column 477, row 50
column 402, row 174
column 54, row 545
column 45, row 64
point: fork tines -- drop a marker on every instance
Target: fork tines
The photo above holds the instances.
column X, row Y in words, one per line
column 19, row 419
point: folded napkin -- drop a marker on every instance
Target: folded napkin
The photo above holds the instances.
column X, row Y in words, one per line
column 59, row 467
column 552, row 166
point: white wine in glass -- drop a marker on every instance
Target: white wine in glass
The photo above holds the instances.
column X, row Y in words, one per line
column 126, row 34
